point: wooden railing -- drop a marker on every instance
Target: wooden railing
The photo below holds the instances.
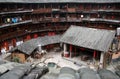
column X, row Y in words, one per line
column 42, row 10
column 31, row 30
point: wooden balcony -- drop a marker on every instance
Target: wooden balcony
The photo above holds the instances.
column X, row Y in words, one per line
column 61, row 28
column 71, row 9
column 47, row 19
column 106, row 11
column 37, row 20
column 18, row 23
column 42, row 10
column 12, row 35
column 55, row 19
column 32, row 30
column 102, row 20
column 63, row 19
column 16, row 12
column 72, row 19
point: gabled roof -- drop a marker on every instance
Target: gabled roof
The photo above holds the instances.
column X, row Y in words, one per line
column 59, row 1
column 96, row 39
column 29, row 46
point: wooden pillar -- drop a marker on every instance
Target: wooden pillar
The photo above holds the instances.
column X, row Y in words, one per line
column 65, row 48
column 14, row 42
column 94, row 54
column 101, row 59
column 6, row 46
column 118, row 44
column 107, row 59
column 66, row 54
column 70, row 50
column 61, row 44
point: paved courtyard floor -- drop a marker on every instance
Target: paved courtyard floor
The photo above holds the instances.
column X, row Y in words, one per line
column 74, row 62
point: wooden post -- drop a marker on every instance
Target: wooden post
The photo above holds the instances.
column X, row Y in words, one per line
column 65, row 51
column 6, row 46
column 107, row 59
column 102, row 59
column 70, row 50
column 14, row 42
column 94, row 54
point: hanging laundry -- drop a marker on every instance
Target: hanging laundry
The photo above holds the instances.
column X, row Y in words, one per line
column 8, row 20
column 14, row 20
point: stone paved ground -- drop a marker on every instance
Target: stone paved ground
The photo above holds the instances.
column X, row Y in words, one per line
column 61, row 62
column 55, row 57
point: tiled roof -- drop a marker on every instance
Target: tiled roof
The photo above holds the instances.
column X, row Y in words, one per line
column 96, row 39
column 29, row 46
